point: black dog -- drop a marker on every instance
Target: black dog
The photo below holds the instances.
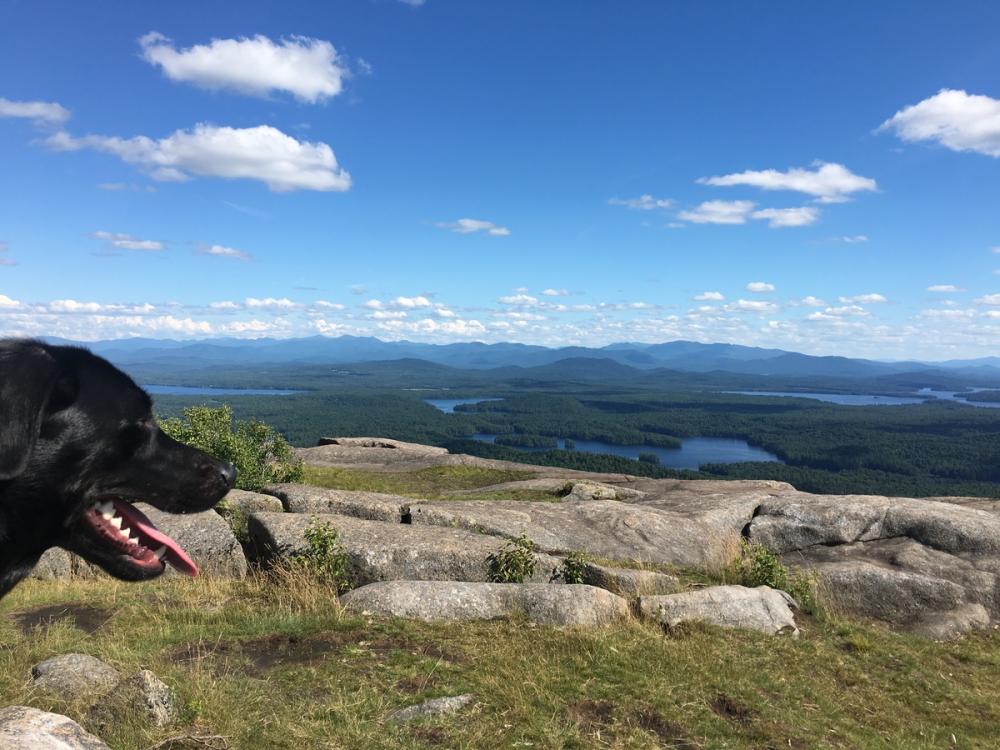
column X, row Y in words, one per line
column 78, row 445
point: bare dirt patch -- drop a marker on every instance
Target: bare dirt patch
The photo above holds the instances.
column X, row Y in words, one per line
column 730, row 708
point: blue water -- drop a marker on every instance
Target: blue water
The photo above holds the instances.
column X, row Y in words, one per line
column 447, row 405
column 864, row 399
column 845, row 399
column 692, row 454
column 192, row 390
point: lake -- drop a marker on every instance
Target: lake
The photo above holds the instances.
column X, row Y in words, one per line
column 868, row 399
column 447, row 405
column 693, row 453
column 194, row 390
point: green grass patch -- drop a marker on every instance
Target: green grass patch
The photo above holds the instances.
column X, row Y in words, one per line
column 276, row 665
column 433, row 483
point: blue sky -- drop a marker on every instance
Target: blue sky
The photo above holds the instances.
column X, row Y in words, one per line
column 818, row 177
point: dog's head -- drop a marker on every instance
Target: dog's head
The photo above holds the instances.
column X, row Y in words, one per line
column 78, row 445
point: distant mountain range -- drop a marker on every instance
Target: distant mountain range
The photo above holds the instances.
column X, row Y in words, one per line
column 681, row 356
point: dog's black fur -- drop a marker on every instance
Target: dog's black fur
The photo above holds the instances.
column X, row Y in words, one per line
column 75, row 431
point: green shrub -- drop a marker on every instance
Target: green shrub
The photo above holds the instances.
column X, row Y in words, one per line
column 325, row 559
column 260, row 454
column 759, row 566
column 648, row 457
column 572, row 568
column 514, row 562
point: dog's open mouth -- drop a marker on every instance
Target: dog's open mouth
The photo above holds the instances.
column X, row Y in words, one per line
column 126, row 530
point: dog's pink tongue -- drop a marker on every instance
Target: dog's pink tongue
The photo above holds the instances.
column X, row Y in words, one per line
column 153, row 538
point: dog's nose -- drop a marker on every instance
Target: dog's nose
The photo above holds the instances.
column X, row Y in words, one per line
column 228, row 472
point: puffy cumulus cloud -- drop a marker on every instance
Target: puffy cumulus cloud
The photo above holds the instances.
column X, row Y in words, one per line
column 72, row 306
column 710, row 297
column 388, row 315
column 269, row 302
column 644, row 202
column 811, row 301
column 308, row 69
column 778, row 218
column 944, row 288
column 48, row 113
column 864, row 299
column 521, row 299
column 374, row 304
column 442, row 311
column 555, row 292
column 221, row 251
column 757, row 306
column 988, row 299
column 828, row 183
column 121, row 241
column 326, row 305
column 761, row 287
column 472, row 226
column 837, row 313
column 719, row 212
column 261, row 153
column 8, row 303
column 224, row 305
column 458, row 327
column 957, row 120
column 410, row 303
column 328, row 328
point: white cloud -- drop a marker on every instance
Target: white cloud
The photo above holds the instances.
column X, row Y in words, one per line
column 854, row 239
column 374, row 304
column 988, row 299
column 225, row 305
column 644, row 202
column 308, row 69
column 719, row 212
column 761, row 287
column 7, row 302
column 411, row 302
column 269, row 302
column 811, row 301
column 39, row 112
column 260, row 153
column 324, row 304
column 788, row 217
column 443, row 312
column 957, row 120
column 224, row 252
column 127, row 242
column 470, row 226
column 945, row 288
column 388, row 314
column 72, row 306
column 759, row 306
column 710, row 296
column 521, row 299
column 555, row 292
column 828, row 183
column 864, row 299
column 950, row 313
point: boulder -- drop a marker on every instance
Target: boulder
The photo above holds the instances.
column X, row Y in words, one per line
column 380, row 551
column 56, row 564
column 765, row 609
column 630, row 582
column 143, row 694
column 645, row 530
column 248, row 502
column 433, row 707
column 303, row 498
column 206, row 537
column 946, row 626
column 74, row 677
column 23, row 728
column 452, row 600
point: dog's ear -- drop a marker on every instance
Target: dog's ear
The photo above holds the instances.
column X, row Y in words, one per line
column 28, row 375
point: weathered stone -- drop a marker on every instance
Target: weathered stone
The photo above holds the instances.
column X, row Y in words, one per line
column 640, row 531
column 24, row 728
column 206, row 537
column 433, row 707
column 74, row 677
column 380, row 551
column 247, row 502
column 450, row 600
column 946, row 626
column 630, row 582
column 584, row 490
column 765, row 609
column 303, row 498
column 143, row 694
column 58, row 565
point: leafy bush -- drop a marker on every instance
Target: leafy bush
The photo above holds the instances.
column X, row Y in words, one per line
column 573, row 567
column 259, row 453
column 759, row 566
column 648, row 457
column 514, row 562
column 325, row 559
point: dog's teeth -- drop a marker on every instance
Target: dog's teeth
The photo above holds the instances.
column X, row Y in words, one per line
column 117, row 522
column 160, row 552
column 107, row 509
column 107, row 515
